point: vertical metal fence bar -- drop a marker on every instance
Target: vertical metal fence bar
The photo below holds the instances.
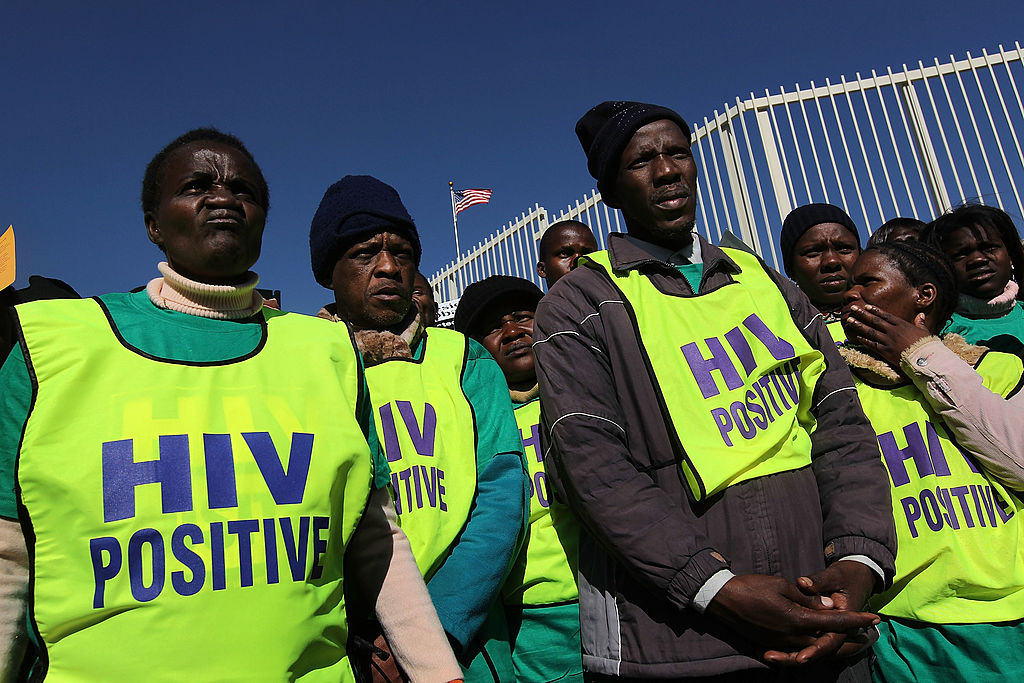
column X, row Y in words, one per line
column 960, row 135
column 780, row 144
column 846, row 151
column 910, row 135
column 892, row 138
column 718, row 175
column 1009, row 74
column 992, row 124
column 796, row 140
column 828, row 145
column 977, row 132
column 740, row 111
column 707, row 182
column 1006, row 111
column 878, row 148
column 605, row 228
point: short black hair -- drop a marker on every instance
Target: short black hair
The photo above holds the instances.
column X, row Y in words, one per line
column 921, row 262
column 887, row 228
column 151, row 179
column 549, row 234
column 988, row 218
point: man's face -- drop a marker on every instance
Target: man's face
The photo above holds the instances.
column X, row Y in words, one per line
column 423, row 298
column 656, row 186
column 563, row 250
column 508, row 336
column 822, row 260
column 372, row 281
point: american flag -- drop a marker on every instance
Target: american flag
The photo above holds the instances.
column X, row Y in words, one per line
column 467, row 198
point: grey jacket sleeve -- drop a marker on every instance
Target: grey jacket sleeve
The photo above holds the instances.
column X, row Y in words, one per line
column 589, row 462
column 852, row 483
column 985, row 424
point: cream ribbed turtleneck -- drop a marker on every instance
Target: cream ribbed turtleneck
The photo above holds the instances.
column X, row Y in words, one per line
column 223, row 302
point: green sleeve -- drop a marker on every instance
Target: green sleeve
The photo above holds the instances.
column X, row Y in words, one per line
column 364, row 413
column 465, row 586
column 15, row 399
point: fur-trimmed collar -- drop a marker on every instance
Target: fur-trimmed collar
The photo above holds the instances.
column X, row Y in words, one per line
column 877, row 371
column 377, row 346
column 519, row 397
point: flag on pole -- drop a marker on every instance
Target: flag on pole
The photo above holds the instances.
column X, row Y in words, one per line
column 467, row 198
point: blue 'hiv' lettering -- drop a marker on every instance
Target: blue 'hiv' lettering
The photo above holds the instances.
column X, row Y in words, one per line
column 720, row 360
column 956, row 507
column 172, row 470
column 422, row 439
column 539, row 482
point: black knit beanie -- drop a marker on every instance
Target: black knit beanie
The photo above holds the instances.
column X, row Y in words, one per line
column 604, row 132
column 480, row 296
column 355, row 206
column 802, row 219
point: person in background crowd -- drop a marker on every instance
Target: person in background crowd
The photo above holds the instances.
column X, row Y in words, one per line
column 540, row 594
column 423, row 297
column 820, row 243
column 560, row 246
column 39, row 288
column 447, row 423
column 709, row 550
column 900, row 229
column 150, row 430
column 956, row 606
column 985, row 249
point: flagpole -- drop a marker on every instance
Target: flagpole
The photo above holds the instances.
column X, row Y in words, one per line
column 455, row 223
column 455, row 220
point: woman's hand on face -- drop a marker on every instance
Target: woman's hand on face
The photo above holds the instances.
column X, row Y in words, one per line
column 882, row 333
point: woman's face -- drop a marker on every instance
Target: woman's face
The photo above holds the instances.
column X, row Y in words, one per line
column 208, row 218
column 876, row 280
column 980, row 260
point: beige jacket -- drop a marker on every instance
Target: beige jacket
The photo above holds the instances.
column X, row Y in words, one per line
column 985, row 424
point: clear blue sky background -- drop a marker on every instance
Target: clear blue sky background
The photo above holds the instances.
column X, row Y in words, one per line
column 415, row 93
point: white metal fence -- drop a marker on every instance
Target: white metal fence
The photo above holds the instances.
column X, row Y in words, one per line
column 906, row 142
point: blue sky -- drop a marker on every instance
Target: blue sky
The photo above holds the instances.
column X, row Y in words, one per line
column 414, row 93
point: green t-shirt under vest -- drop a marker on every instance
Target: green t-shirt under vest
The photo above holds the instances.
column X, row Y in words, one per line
column 959, row 531
column 735, row 374
column 428, row 429
column 544, row 573
column 188, row 520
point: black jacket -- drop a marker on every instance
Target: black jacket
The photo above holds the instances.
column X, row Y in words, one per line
column 647, row 547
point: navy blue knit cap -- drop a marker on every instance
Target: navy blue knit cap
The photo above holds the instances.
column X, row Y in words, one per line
column 479, row 297
column 802, row 219
column 354, row 207
column 605, row 130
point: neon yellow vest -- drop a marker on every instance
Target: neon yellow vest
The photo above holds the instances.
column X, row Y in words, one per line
column 959, row 531
column 835, row 328
column 189, row 520
column 429, row 433
column 544, row 573
column 735, row 373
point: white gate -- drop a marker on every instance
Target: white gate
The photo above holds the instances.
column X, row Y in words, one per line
column 906, row 142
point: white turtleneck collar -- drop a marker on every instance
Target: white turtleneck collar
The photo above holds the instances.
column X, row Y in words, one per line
column 223, row 302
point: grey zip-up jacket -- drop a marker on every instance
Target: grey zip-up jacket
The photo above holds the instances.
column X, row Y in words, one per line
column 647, row 548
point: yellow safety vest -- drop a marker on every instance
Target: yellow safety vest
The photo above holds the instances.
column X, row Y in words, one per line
column 188, row 521
column 735, row 373
column 959, row 531
column 544, row 573
column 429, row 433
column 835, row 328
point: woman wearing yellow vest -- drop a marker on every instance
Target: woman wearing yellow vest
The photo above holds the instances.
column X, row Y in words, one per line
column 540, row 594
column 190, row 489
column 955, row 609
